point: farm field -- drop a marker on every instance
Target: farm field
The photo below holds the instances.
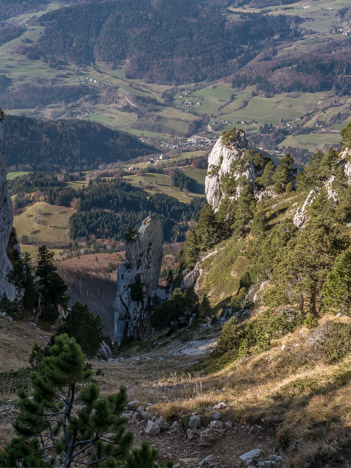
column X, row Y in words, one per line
column 14, row 175
column 42, row 223
column 160, row 183
column 214, row 106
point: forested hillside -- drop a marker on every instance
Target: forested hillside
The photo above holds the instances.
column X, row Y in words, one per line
column 164, row 42
column 66, row 144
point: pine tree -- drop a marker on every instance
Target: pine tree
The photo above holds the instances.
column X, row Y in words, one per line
column 191, row 250
column 301, row 268
column 82, row 325
column 266, row 179
column 205, row 309
column 50, row 286
column 67, row 422
column 259, row 224
column 145, row 458
column 284, row 174
column 244, row 211
column 346, row 136
column 207, row 229
column 337, row 289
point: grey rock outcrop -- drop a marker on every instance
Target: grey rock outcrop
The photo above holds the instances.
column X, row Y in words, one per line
column 220, row 164
column 301, row 215
column 8, row 240
column 137, row 281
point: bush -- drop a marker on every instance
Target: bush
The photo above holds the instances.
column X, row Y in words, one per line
column 336, row 344
column 176, row 311
column 229, row 137
column 238, row 340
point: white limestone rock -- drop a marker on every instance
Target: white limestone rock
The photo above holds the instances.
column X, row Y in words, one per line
column 6, row 219
column 137, row 280
column 301, row 215
column 220, row 161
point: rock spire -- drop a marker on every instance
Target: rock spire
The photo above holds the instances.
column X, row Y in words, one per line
column 8, row 240
column 225, row 161
column 137, row 281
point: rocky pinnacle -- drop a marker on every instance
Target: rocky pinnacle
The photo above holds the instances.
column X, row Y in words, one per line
column 6, row 219
column 137, row 280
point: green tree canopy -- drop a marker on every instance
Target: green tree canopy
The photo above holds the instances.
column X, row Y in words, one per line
column 301, row 268
column 51, row 287
column 337, row 289
column 284, row 174
column 82, row 325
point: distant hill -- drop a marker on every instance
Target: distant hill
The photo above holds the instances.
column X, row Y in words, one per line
column 69, row 144
column 168, row 41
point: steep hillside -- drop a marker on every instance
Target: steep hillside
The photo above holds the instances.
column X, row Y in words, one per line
column 177, row 41
column 66, row 144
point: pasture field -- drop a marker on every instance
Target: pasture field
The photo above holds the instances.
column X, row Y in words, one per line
column 217, row 103
column 42, row 223
column 160, row 183
column 14, row 175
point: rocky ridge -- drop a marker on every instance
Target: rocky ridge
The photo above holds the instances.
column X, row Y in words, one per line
column 137, row 281
column 301, row 216
column 8, row 240
column 220, row 164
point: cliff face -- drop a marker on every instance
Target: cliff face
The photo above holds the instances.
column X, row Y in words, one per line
column 224, row 160
column 8, row 240
column 137, row 281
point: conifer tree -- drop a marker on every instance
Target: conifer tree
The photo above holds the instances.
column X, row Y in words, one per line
column 259, row 223
column 205, row 309
column 337, row 289
column 244, row 211
column 191, row 250
column 66, row 422
column 51, row 287
column 284, row 174
column 346, row 136
column 266, row 179
column 207, row 229
column 22, row 277
column 82, row 325
column 301, row 268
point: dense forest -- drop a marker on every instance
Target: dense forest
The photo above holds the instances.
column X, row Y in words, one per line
column 66, row 144
column 31, row 96
column 309, row 72
column 169, row 41
column 108, row 210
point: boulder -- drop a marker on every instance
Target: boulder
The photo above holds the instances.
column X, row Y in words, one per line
column 209, row 436
column 152, row 428
column 137, row 280
column 194, row 422
column 216, row 424
column 162, row 423
column 250, row 456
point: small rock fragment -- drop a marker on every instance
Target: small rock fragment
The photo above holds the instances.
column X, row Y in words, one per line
column 220, row 405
